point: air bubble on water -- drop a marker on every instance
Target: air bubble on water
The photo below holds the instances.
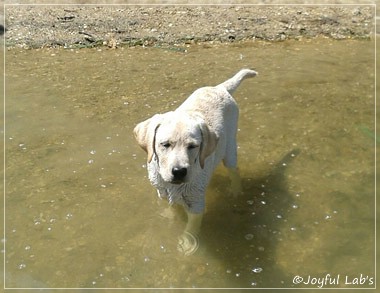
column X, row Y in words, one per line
column 103, row 185
column 27, row 247
column 261, row 248
column 254, row 284
column 146, row 259
column 91, row 161
column 293, row 229
column 21, row 266
column 163, row 249
column 327, row 217
column 69, row 216
column 92, row 152
column 248, row 236
column 297, row 195
column 257, row 270
column 250, row 202
column 253, row 213
column 294, row 206
column 228, row 271
column 279, row 216
column 263, row 202
column 125, row 279
column 237, row 274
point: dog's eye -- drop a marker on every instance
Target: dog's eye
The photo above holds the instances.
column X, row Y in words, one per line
column 165, row 144
column 192, row 146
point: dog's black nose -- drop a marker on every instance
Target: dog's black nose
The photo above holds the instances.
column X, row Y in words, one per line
column 179, row 173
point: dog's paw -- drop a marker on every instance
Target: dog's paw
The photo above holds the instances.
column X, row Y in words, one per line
column 188, row 243
column 168, row 213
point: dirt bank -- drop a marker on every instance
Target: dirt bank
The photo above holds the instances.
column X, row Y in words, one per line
column 114, row 26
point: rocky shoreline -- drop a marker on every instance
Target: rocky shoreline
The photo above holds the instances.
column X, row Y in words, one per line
column 73, row 26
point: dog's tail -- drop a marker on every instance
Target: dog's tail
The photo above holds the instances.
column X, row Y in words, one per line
column 231, row 84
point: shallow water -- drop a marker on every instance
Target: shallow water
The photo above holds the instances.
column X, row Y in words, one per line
column 80, row 212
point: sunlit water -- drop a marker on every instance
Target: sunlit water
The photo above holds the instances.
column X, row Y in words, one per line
column 81, row 213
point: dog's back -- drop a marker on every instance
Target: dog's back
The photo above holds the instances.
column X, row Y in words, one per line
column 216, row 102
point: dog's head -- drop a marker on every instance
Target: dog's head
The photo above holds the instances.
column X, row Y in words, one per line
column 179, row 141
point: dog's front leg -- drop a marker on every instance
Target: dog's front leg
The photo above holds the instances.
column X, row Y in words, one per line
column 235, row 178
column 188, row 241
column 194, row 222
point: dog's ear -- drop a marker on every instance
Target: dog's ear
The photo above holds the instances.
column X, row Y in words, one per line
column 145, row 134
column 208, row 145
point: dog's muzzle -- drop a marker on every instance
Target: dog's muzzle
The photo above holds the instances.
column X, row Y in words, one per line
column 179, row 175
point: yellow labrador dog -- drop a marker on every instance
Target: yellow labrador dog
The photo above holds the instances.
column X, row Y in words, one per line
column 185, row 145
